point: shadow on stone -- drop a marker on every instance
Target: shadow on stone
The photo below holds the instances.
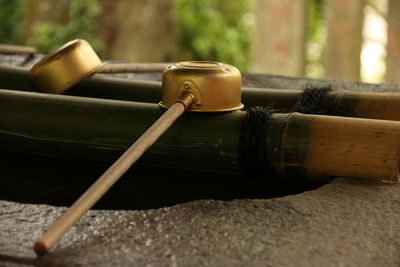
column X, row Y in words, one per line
column 10, row 260
column 54, row 181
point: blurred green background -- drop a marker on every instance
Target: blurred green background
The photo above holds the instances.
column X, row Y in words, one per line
column 339, row 39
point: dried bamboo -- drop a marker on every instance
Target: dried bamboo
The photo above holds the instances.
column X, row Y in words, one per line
column 320, row 146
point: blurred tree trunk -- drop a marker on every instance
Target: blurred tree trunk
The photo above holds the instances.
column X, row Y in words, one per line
column 279, row 37
column 41, row 11
column 138, row 31
column 393, row 46
column 345, row 22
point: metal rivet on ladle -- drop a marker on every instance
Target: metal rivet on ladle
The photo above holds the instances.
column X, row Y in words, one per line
column 74, row 61
column 215, row 87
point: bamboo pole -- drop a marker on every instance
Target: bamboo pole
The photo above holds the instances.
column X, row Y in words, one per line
column 100, row 129
column 371, row 105
column 352, row 104
column 296, row 144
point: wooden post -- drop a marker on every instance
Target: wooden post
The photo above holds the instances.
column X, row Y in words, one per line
column 138, row 31
column 393, row 45
column 345, row 21
column 279, row 37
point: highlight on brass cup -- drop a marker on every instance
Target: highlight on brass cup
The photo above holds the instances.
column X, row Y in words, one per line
column 215, row 86
column 63, row 68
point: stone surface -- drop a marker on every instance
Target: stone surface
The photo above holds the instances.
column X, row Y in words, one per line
column 348, row 222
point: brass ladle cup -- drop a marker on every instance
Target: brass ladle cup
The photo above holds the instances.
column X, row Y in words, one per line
column 74, row 61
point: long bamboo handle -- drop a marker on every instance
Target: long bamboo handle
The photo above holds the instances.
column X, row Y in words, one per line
column 132, row 67
column 104, row 183
column 17, row 49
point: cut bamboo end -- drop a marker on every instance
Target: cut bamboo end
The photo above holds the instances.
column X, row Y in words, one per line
column 354, row 148
column 322, row 146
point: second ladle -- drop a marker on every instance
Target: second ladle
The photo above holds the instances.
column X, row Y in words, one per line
column 194, row 86
column 74, row 61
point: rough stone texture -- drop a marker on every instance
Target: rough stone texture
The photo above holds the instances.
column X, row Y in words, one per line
column 346, row 223
column 194, row 219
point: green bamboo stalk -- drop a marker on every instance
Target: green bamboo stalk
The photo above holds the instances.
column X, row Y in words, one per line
column 315, row 145
column 103, row 129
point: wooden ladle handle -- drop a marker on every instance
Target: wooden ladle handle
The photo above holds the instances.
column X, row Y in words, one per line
column 104, row 183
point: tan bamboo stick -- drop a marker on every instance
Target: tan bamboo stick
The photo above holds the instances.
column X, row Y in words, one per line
column 16, row 49
column 104, row 183
column 132, row 67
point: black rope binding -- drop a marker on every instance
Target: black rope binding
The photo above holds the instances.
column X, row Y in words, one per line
column 252, row 144
column 252, row 154
column 309, row 102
